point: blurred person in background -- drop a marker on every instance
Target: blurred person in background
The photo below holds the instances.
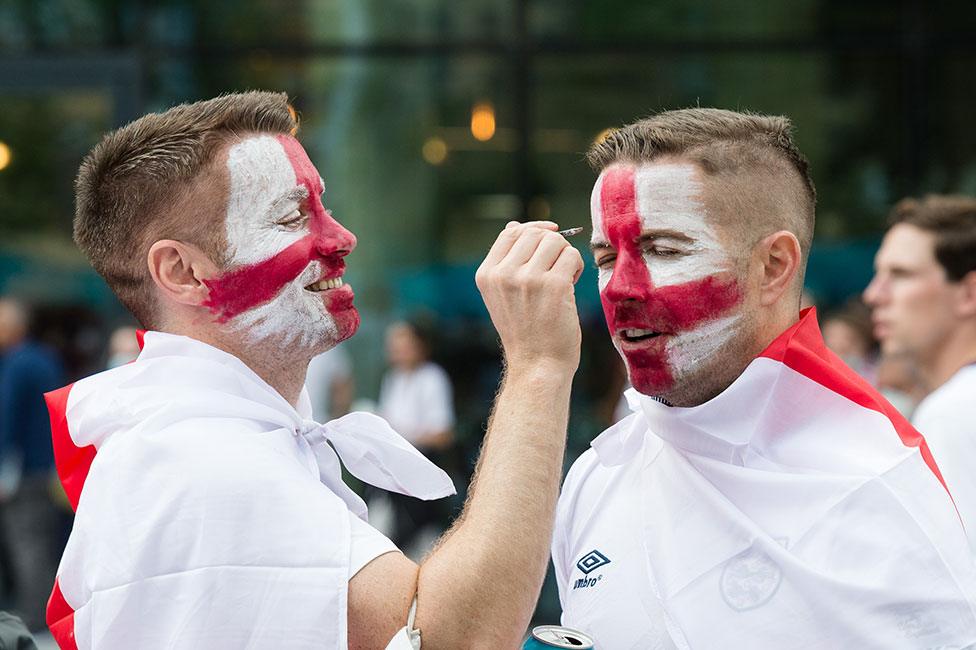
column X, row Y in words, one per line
column 123, row 347
column 417, row 399
column 923, row 297
column 210, row 507
column 847, row 332
column 330, row 384
column 899, row 380
column 31, row 520
column 761, row 494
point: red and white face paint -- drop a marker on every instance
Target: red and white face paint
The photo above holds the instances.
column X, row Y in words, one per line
column 667, row 284
column 286, row 251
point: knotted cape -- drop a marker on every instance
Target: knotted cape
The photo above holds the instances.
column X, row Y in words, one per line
column 211, row 513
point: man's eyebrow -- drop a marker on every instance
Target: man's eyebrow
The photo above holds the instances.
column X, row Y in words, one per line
column 664, row 233
column 296, row 194
column 647, row 235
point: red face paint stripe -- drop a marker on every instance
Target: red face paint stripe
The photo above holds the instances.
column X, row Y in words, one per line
column 61, row 619
column 72, row 462
column 680, row 307
column 618, row 194
column 308, row 176
column 247, row 287
column 802, row 348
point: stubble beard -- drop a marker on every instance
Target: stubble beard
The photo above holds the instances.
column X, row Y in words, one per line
column 705, row 363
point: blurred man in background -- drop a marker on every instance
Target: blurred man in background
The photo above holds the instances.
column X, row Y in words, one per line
column 30, row 518
column 210, row 507
column 924, row 299
column 123, row 347
column 847, row 332
column 761, row 494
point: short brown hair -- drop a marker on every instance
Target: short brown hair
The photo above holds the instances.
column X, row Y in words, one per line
column 727, row 145
column 132, row 188
column 952, row 219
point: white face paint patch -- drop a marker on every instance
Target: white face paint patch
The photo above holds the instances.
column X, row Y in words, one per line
column 688, row 350
column 263, row 189
column 669, row 197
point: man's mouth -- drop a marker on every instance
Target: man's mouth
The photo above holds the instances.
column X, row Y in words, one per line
column 636, row 335
column 325, row 285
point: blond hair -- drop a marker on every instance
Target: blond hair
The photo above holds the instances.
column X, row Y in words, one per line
column 133, row 188
column 762, row 179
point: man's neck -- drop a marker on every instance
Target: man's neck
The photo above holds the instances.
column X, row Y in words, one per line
column 283, row 372
column 958, row 351
column 286, row 377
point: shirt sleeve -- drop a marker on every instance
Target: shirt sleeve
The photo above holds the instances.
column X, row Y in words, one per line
column 365, row 545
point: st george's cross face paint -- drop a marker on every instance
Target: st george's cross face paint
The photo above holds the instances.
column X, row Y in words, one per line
column 286, row 252
column 667, row 284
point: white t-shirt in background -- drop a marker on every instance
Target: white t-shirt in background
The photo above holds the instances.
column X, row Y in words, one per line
column 947, row 419
column 418, row 402
column 323, row 371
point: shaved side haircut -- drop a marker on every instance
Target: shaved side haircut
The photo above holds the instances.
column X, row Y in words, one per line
column 952, row 220
column 756, row 180
column 154, row 179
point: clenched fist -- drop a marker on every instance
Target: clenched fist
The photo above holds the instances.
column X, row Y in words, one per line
column 526, row 281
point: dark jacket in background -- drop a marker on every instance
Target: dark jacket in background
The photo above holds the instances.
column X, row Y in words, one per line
column 27, row 371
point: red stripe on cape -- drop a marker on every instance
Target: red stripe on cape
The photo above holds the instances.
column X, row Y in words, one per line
column 73, row 463
column 802, row 348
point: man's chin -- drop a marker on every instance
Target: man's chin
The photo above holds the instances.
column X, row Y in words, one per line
column 653, row 381
column 347, row 323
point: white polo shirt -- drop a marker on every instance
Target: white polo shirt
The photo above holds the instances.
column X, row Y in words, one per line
column 795, row 510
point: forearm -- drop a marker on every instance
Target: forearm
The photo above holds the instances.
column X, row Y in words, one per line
column 480, row 585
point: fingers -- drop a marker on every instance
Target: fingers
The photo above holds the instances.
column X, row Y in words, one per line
column 509, row 236
column 569, row 262
column 548, row 250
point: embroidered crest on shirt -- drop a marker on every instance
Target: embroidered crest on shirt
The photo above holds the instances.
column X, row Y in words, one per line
column 749, row 580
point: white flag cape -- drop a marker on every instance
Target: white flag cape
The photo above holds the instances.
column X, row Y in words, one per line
column 210, row 513
column 797, row 509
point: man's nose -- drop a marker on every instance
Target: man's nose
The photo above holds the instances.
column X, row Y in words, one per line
column 630, row 281
column 873, row 292
column 332, row 238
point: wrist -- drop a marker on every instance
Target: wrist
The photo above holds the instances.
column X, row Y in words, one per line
column 541, row 372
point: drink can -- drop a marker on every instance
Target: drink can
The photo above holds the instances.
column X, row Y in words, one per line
column 545, row 637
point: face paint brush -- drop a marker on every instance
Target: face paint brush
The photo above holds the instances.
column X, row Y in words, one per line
column 569, row 232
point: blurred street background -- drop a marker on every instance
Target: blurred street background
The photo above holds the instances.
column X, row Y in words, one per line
column 434, row 122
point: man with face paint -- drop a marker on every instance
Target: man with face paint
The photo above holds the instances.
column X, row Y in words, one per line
column 761, row 494
column 923, row 300
column 210, row 507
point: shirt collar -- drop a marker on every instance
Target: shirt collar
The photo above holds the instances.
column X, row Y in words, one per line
column 720, row 428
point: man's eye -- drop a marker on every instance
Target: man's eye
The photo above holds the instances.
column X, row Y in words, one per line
column 293, row 221
column 605, row 261
column 663, row 251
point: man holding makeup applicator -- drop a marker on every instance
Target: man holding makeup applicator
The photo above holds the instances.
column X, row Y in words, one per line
column 761, row 494
column 210, row 507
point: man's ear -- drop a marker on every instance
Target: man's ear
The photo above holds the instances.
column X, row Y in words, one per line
column 178, row 269
column 966, row 302
column 779, row 254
